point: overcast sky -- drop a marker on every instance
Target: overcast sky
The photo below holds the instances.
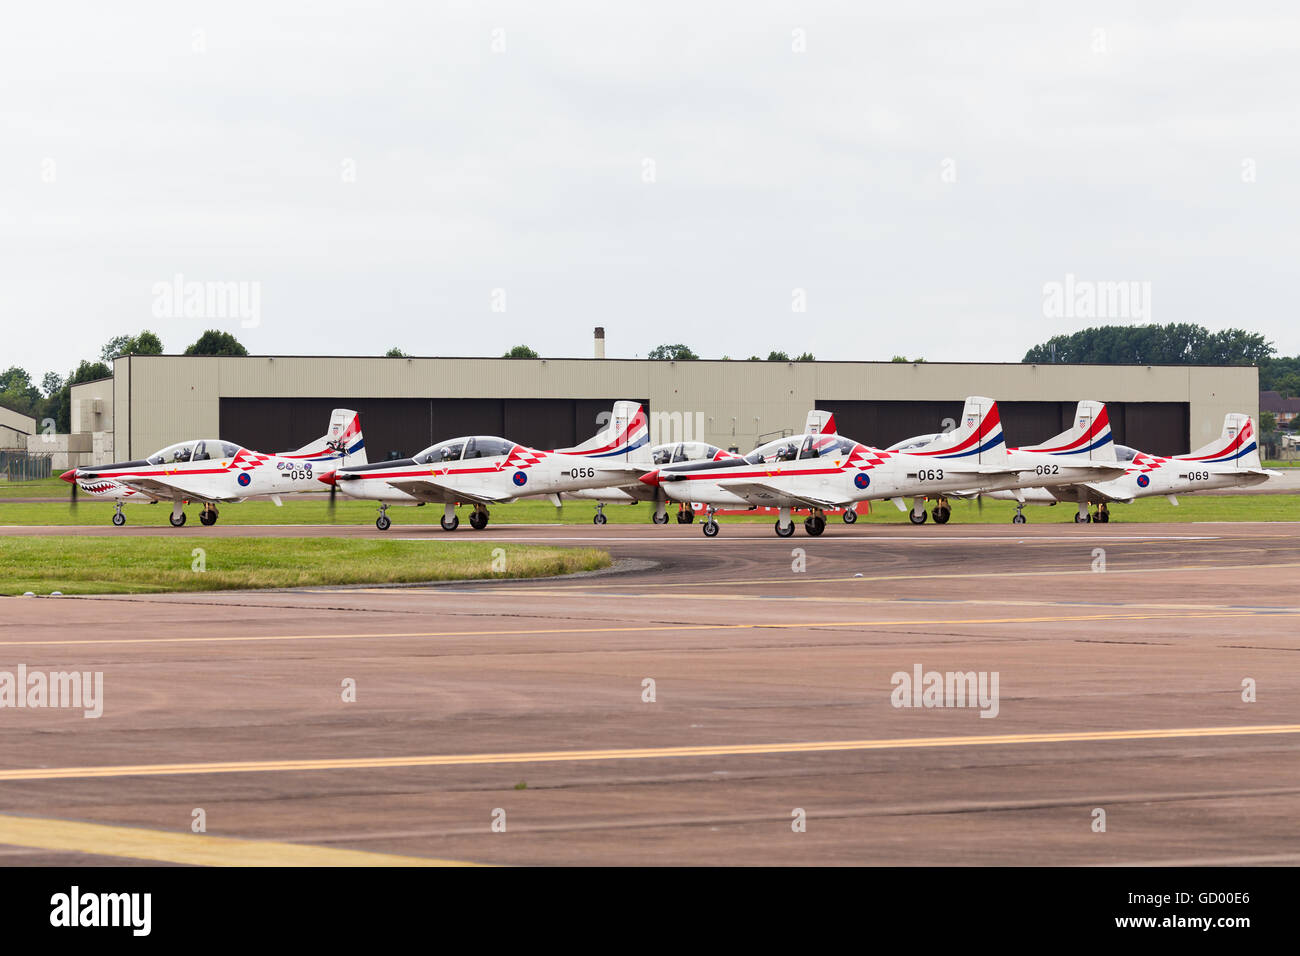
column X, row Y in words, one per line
column 374, row 172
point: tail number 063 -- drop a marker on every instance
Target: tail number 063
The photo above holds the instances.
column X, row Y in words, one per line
column 930, row 474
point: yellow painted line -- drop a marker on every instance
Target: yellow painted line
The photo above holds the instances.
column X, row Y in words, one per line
column 638, row 629
column 636, row 753
column 194, row 849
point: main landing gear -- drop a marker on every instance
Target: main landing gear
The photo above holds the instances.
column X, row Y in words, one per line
column 660, row 514
column 784, row 526
column 942, row 511
column 685, row 514
column 449, row 521
column 815, row 523
column 383, row 522
column 119, row 519
column 478, row 518
column 208, row 516
column 710, row 527
column 177, row 517
column 599, row 517
column 917, row 514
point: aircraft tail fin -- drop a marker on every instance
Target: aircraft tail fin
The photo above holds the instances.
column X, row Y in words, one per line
column 977, row 437
column 1088, row 437
column 820, row 423
column 1237, row 446
column 626, row 437
column 342, row 443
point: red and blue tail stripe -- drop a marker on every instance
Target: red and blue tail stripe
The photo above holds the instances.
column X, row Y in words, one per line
column 986, row 437
column 1097, row 436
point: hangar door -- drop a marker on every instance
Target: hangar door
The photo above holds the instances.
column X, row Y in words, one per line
column 399, row 427
column 1161, row 428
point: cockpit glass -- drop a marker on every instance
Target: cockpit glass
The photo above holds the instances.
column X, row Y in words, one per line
column 909, row 444
column 482, row 446
column 174, row 454
column 662, row 454
column 437, row 454
column 1124, row 453
column 782, row 449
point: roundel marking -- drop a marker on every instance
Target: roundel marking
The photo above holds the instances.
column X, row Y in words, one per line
column 862, row 479
column 243, row 479
column 520, row 478
column 1144, row 480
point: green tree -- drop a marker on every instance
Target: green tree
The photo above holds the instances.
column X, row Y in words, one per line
column 214, row 342
column 18, row 392
column 672, row 353
column 805, row 357
column 395, row 352
column 1174, row 344
column 778, row 357
column 146, row 343
column 51, row 383
column 521, row 351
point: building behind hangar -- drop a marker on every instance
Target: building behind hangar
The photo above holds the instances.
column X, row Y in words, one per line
column 278, row 402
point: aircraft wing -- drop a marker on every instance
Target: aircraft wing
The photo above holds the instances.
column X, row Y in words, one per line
column 437, row 492
column 758, row 493
column 1070, row 494
column 168, row 489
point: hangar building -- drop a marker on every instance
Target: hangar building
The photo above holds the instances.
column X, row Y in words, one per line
column 279, row 402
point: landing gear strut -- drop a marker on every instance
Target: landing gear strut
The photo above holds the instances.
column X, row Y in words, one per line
column 917, row 514
column 942, row 511
column 1020, row 513
column 784, row 526
column 449, row 521
column 177, row 517
column 208, row 516
column 119, row 519
column 815, row 523
column 660, row 515
column 598, row 519
column 383, row 522
column 478, row 518
column 710, row 528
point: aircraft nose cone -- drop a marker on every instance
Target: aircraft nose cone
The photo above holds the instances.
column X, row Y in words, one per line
column 69, row 476
column 652, row 478
column 327, row 477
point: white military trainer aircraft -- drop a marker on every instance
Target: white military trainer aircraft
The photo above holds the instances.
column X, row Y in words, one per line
column 1083, row 453
column 821, row 471
column 214, row 472
column 483, row 470
column 1230, row 461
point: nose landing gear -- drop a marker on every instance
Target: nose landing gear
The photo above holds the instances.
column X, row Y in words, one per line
column 119, row 519
column 383, row 522
column 710, row 527
column 600, row 513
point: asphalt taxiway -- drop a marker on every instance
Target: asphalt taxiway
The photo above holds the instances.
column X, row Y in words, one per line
column 511, row 722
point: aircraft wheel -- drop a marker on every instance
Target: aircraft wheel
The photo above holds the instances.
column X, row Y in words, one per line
column 941, row 515
column 710, row 529
column 383, row 522
column 690, row 516
column 1081, row 519
column 659, row 519
column 786, row 531
column 1018, row 519
column 177, row 521
column 1103, row 517
column 814, row 525
column 478, row 520
column 451, row 525
column 119, row 519
column 916, row 518
column 681, row 517
column 850, row 515
column 205, row 518
column 599, row 519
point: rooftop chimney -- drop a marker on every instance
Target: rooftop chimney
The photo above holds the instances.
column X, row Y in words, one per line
column 600, row 341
